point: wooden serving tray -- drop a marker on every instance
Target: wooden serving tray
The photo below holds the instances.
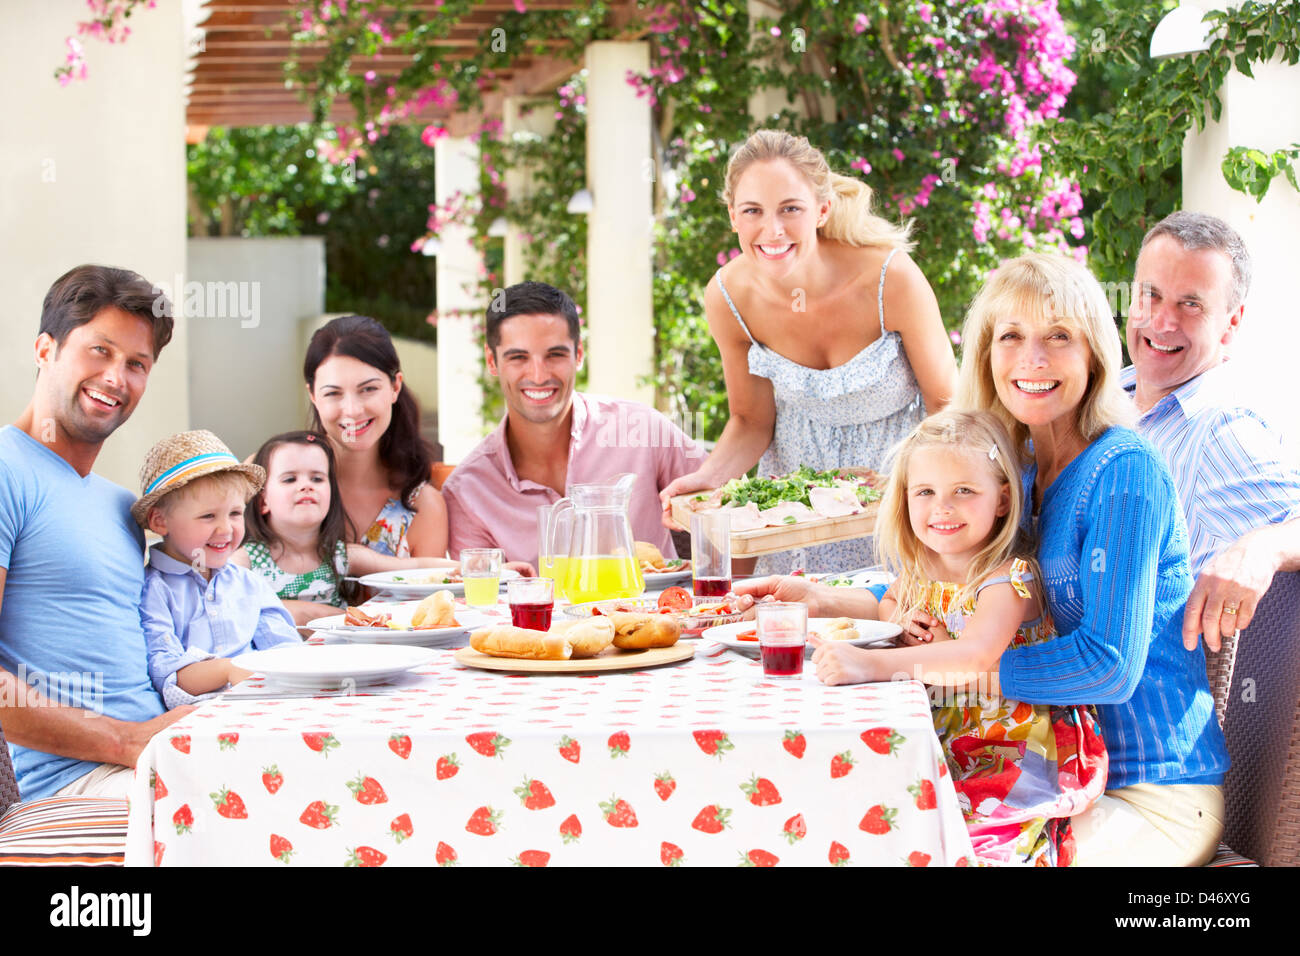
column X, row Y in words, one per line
column 746, row 544
column 610, row 659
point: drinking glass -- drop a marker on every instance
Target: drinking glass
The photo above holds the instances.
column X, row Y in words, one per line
column 481, row 569
column 711, row 553
column 782, row 633
column 531, row 602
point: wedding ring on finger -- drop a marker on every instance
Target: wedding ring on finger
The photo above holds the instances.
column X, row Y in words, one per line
column 1230, row 609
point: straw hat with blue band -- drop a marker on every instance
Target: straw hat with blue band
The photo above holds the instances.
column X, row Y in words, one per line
column 175, row 462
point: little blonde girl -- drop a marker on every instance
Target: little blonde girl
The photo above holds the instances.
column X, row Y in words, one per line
column 966, row 591
column 296, row 531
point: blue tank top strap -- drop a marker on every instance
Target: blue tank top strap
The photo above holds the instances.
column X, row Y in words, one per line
column 880, row 290
column 723, row 289
column 1019, row 578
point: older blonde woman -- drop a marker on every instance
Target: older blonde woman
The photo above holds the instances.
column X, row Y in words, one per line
column 1042, row 353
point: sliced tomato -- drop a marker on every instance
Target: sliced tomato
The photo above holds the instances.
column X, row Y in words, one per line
column 677, row 599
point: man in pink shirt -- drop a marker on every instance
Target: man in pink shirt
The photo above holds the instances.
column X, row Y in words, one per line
column 553, row 437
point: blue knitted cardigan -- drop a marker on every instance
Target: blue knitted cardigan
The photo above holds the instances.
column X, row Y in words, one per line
column 1112, row 544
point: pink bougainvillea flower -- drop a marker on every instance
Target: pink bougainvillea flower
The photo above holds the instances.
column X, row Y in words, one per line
column 432, row 133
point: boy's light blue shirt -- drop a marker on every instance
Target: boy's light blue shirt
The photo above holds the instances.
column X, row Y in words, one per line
column 188, row 618
column 70, row 621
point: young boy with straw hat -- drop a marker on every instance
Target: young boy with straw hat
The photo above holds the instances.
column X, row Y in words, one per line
column 198, row 609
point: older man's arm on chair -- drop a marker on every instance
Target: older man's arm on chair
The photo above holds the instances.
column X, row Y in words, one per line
column 1236, row 579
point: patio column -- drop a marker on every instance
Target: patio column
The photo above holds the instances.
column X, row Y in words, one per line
column 1270, row 337
column 620, row 175
column 460, row 358
column 519, row 121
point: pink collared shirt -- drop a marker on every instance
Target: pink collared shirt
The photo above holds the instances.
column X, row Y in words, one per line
column 490, row 506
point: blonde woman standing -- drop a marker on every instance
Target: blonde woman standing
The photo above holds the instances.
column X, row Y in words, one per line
column 832, row 344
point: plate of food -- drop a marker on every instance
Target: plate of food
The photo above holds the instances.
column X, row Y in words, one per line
column 334, row 665
column 433, row 622
column 420, row 582
column 741, row 636
column 694, row 614
column 658, row 571
column 861, row 578
column 618, row 641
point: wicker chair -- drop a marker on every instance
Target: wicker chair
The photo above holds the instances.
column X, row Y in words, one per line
column 8, row 784
column 1256, row 685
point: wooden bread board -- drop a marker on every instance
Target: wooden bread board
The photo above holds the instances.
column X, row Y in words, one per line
column 610, row 659
column 802, row 534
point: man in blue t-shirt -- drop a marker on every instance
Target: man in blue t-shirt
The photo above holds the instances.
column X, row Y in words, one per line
column 76, row 702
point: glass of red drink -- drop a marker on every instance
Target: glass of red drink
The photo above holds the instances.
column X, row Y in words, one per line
column 711, row 553
column 531, row 602
column 782, row 633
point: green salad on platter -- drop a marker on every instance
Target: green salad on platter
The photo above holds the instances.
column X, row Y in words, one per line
column 770, row 492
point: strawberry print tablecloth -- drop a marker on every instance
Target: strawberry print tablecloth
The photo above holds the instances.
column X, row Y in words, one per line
column 697, row 764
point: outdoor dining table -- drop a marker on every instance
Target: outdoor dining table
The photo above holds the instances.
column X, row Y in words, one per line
column 701, row 763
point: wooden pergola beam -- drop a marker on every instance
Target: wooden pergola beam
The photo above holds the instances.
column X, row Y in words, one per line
column 239, row 79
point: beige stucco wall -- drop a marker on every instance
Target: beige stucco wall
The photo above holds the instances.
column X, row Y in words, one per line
column 91, row 172
column 245, row 363
column 1263, row 112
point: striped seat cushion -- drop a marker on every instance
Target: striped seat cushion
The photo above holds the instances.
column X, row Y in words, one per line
column 1226, row 856
column 64, row 831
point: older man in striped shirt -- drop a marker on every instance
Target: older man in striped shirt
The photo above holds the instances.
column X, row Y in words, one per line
column 1240, row 496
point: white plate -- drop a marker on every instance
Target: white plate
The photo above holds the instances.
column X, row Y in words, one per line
column 334, row 665
column 391, row 582
column 424, row 637
column 864, row 578
column 873, row 633
column 658, row 580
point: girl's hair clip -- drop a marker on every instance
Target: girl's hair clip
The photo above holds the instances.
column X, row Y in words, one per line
column 993, row 452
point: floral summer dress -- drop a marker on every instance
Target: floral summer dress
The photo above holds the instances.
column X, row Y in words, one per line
column 318, row 584
column 852, row 414
column 1020, row 770
column 387, row 534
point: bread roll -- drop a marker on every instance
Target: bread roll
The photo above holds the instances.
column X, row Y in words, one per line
column 437, row 610
column 637, row 632
column 521, row 643
column 647, row 553
column 588, row 637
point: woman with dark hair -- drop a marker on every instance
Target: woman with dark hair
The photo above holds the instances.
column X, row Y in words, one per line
column 358, row 401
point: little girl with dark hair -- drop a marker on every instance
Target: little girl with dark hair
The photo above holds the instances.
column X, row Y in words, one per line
column 295, row 530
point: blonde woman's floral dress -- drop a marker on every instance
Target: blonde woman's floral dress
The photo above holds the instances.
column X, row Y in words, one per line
column 1020, row 770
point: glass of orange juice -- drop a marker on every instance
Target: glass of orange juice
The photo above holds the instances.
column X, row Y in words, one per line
column 481, row 569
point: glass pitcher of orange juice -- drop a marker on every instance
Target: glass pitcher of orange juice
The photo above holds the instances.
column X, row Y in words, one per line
column 554, row 537
column 601, row 554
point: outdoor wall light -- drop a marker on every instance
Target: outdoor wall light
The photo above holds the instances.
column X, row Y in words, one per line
column 581, row 202
column 432, row 246
column 498, row 227
column 1181, row 30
